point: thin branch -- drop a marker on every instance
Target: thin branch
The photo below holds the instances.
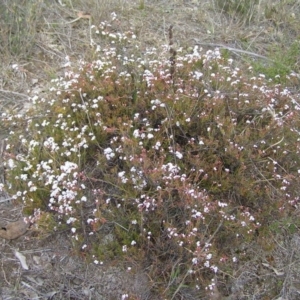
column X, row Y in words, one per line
column 15, row 93
column 231, row 49
column 188, row 272
column 5, row 200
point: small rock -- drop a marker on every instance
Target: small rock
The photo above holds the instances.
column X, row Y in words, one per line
column 14, row 230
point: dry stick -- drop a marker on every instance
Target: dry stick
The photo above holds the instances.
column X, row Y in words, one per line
column 4, row 274
column 232, row 49
column 120, row 226
column 188, row 271
column 36, row 250
column 171, row 281
column 47, row 50
column 172, row 61
column 60, row 3
column 88, row 117
column 15, row 93
column 263, row 176
column 4, row 200
column 274, row 144
column 81, row 15
column 256, row 36
column 30, row 287
column 173, row 54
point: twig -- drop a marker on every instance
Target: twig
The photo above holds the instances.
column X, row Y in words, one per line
column 188, row 271
column 7, row 199
column 263, row 176
column 231, row 49
column 173, row 54
column 60, row 2
column 275, row 144
column 15, row 93
column 4, row 274
column 215, row 232
column 36, row 250
column 120, row 226
column 47, row 50
column 80, row 14
column 29, row 286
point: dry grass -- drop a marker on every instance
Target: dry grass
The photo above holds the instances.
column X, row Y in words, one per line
column 38, row 35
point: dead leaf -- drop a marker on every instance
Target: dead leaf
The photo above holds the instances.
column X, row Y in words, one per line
column 278, row 273
column 22, row 259
column 83, row 15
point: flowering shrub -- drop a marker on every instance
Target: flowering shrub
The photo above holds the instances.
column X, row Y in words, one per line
column 182, row 158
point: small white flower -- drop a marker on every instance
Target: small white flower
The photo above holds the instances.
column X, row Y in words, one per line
column 113, row 16
column 209, row 256
column 121, row 174
column 222, row 204
column 11, row 163
column 214, row 268
column 108, row 152
column 24, row 176
column 136, row 133
column 197, row 75
column 178, row 155
column 71, row 220
column 150, row 136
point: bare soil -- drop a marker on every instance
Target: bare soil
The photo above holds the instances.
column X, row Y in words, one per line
column 56, row 272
